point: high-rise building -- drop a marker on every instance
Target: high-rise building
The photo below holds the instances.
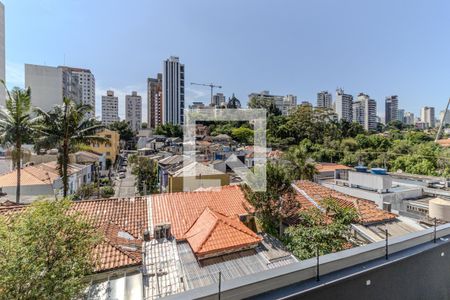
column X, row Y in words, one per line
column 284, row 103
column 110, row 108
column 218, row 99
column 324, row 100
column 86, row 81
column 50, row 85
column 409, row 118
column 427, row 116
column 154, row 101
column 133, row 111
column 344, row 106
column 365, row 112
column 173, row 91
column 401, row 115
column 2, row 53
column 391, row 109
column 446, row 119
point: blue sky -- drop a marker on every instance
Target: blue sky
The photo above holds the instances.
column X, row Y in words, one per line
column 288, row 47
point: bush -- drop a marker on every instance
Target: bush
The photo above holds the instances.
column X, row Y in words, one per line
column 106, row 191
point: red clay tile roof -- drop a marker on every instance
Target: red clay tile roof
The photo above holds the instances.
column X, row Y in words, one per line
column 444, row 142
column 122, row 221
column 368, row 211
column 182, row 209
column 214, row 233
column 327, row 167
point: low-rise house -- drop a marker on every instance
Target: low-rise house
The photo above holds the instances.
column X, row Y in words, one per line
column 194, row 176
column 43, row 180
column 331, row 171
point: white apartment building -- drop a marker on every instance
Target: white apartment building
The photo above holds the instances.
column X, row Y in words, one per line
column 284, row 103
column 344, row 106
column 427, row 116
column 173, row 91
column 218, row 99
column 365, row 112
column 2, row 53
column 409, row 118
column 110, row 108
column 133, row 111
column 49, row 85
column 324, row 100
column 444, row 118
column 86, row 80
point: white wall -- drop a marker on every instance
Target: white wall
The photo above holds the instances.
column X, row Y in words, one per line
column 46, row 85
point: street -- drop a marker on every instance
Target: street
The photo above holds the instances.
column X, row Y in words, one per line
column 125, row 187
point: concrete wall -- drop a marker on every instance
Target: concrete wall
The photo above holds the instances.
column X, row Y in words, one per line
column 46, row 85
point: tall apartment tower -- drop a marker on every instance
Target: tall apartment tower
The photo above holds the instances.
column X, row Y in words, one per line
column 133, row 111
column 427, row 116
column 344, row 106
column 365, row 112
column 110, row 108
column 218, row 99
column 285, row 104
column 324, row 100
column 154, row 101
column 444, row 117
column 50, row 85
column 409, row 118
column 2, row 53
column 401, row 115
column 391, row 109
column 173, row 91
column 86, row 80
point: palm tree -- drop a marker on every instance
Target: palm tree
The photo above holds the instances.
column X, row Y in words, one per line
column 16, row 126
column 303, row 166
column 64, row 127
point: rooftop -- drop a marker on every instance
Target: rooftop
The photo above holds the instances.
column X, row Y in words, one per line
column 310, row 193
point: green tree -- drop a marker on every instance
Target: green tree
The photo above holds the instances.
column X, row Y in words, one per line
column 301, row 165
column 124, row 130
column 146, row 173
column 106, row 191
column 17, row 126
column 266, row 103
column 277, row 202
column 323, row 231
column 45, row 252
column 169, row 130
column 64, row 127
column 242, row 135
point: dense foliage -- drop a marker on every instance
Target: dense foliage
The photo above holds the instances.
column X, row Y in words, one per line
column 146, row 173
column 319, row 231
column 45, row 252
column 169, row 130
column 124, row 130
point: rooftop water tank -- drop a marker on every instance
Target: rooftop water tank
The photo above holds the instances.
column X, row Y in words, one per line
column 378, row 171
column 361, row 169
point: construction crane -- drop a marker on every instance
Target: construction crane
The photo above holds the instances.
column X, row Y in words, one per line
column 438, row 135
column 211, row 85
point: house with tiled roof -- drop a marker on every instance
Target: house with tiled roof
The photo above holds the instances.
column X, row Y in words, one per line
column 371, row 221
column 43, row 180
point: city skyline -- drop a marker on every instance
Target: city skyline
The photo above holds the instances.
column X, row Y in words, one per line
column 417, row 74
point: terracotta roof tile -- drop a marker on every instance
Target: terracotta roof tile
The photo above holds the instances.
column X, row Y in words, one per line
column 182, row 209
column 327, row 167
column 368, row 211
column 121, row 220
column 214, row 233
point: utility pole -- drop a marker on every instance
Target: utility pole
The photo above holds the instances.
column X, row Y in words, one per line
column 211, row 85
column 442, row 122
